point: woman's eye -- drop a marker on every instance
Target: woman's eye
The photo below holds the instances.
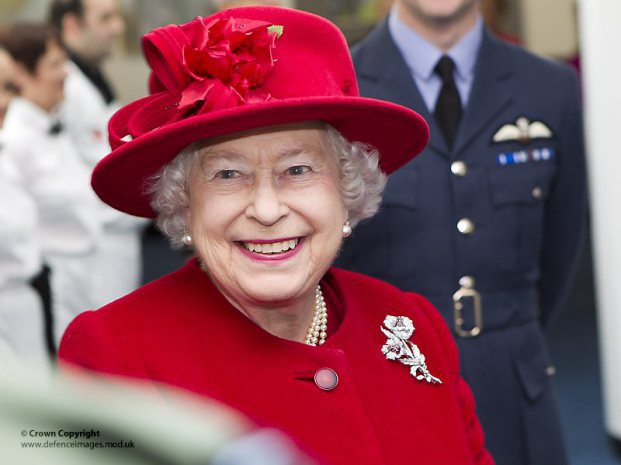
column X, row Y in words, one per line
column 298, row 170
column 227, row 174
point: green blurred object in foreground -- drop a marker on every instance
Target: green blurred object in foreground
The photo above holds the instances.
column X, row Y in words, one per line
column 94, row 421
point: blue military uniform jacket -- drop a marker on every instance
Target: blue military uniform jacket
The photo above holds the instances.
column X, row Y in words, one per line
column 499, row 217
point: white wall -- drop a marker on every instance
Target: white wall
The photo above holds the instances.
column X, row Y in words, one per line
column 601, row 67
column 549, row 26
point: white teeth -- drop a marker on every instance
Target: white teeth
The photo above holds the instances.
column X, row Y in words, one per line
column 274, row 247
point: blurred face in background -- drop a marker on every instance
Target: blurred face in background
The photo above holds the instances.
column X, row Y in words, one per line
column 7, row 87
column 438, row 12
column 98, row 29
column 44, row 86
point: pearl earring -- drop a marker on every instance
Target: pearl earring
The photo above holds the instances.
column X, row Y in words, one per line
column 346, row 229
column 186, row 239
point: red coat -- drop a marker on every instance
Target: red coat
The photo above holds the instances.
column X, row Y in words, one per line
column 180, row 330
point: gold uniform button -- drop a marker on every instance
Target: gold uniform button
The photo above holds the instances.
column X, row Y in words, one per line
column 550, row 371
column 537, row 192
column 459, row 168
column 465, row 226
column 466, row 282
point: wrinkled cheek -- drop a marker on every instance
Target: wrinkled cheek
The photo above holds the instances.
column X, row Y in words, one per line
column 215, row 256
column 222, row 270
column 323, row 251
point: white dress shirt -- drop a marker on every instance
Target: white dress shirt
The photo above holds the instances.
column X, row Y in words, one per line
column 21, row 312
column 422, row 57
column 69, row 228
column 86, row 115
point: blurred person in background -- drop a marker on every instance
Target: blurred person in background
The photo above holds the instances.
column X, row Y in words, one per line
column 89, row 30
column 487, row 224
column 493, row 12
column 22, row 318
column 262, row 166
column 7, row 87
column 50, row 169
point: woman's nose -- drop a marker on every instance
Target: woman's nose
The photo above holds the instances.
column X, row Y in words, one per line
column 266, row 203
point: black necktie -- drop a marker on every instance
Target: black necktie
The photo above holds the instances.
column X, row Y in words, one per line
column 448, row 107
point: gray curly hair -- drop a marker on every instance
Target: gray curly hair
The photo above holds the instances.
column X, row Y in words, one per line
column 362, row 184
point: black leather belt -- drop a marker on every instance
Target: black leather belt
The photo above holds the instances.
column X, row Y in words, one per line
column 469, row 312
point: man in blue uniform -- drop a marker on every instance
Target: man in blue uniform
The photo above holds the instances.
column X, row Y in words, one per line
column 487, row 222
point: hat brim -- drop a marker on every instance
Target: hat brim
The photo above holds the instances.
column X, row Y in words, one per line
column 120, row 179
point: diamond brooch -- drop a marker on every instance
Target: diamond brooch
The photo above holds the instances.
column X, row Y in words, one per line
column 398, row 330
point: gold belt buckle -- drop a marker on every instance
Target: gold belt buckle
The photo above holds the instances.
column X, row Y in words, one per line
column 478, row 312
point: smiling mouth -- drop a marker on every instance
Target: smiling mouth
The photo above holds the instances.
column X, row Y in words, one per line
column 271, row 248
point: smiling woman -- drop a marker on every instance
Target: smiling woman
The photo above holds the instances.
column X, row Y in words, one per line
column 257, row 190
column 266, row 215
column 262, row 165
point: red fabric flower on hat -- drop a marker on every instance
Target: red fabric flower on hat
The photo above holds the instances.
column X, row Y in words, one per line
column 226, row 64
column 201, row 67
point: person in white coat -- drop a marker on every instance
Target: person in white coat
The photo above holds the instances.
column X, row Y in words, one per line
column 22, row 326
column 7, row 87
column 88, row 30
column 50, row 169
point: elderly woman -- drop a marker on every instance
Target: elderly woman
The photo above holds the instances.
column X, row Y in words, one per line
column 242, row 153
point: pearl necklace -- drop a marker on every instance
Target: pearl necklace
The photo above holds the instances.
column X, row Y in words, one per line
column 317, row 330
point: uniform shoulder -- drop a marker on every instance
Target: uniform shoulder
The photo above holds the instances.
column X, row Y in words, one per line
column 366, row 49
column 16, row 137
column 368, row 289
column 17, row 149
column 363, row 283
column 532, row 63
column 78, row 87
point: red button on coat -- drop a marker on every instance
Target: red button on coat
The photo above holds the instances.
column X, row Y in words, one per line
column 326, row 379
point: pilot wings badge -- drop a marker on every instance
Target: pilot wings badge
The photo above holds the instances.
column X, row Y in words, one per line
column 398, row 330
column 523, row 131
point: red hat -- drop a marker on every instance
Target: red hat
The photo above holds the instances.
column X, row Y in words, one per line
column 242, row 69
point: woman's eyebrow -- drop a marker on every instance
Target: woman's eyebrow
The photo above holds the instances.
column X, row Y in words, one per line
column 210, row 156
column 296, row 151
column 215, row 155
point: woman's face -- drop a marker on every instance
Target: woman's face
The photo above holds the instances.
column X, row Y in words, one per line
column 45, row 87
column 266, row 213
